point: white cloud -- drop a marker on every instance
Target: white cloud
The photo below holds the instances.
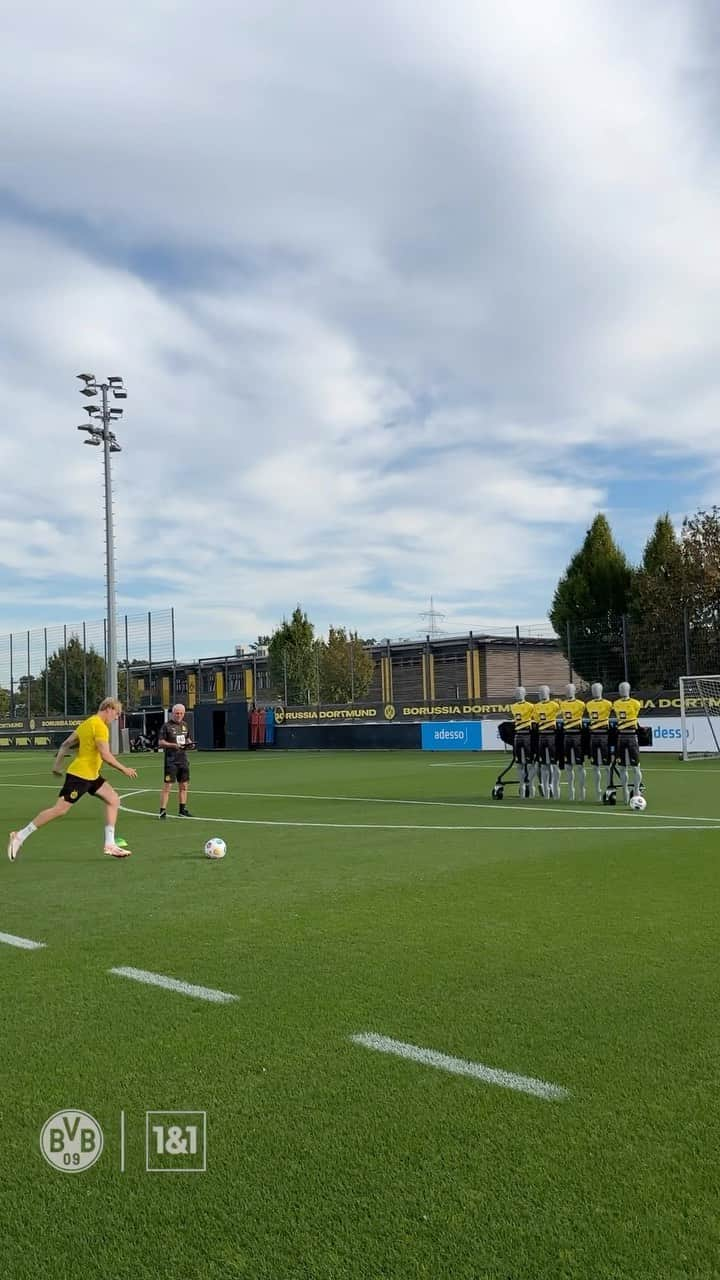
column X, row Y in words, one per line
column 377, row 280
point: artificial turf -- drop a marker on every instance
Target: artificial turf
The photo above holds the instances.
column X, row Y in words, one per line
column 554, row 940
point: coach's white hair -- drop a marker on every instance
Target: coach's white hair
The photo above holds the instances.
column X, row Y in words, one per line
column 179, row 706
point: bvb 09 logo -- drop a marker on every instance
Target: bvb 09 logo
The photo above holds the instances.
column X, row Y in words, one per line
column 71, row 1141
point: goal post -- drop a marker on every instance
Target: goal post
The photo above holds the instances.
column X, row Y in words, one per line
column 700, row 716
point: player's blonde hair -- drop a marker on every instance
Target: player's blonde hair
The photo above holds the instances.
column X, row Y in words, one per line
column 110, row 704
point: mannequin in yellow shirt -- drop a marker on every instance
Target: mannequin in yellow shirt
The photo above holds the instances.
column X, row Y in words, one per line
column 547, row 711
column 599, row 710
column 627, row 711
column 523, row 713
column 572, row 710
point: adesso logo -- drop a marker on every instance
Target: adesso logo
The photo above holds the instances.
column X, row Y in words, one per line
column 452, row 736
column 668, row 733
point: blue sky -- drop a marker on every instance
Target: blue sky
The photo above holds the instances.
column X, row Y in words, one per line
column 403, row 294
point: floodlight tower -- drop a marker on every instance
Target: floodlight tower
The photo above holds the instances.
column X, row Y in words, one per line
column 102, row 435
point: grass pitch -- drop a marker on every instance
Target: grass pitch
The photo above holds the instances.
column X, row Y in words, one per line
column 362, row 893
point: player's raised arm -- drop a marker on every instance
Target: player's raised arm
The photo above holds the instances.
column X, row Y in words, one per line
column 110, row 759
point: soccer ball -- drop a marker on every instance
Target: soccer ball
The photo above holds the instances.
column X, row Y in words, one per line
column 638, row 803
column 215, row 848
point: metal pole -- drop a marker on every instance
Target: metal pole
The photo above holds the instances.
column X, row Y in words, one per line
column 174, row 668
column 111, row 680
column 65, row 709
column 352, row 668
column 85, row 706
column 47, row 679
column 317, row 670
column 29, row 699
column 285, row 673
column 626, row 665
column 12, row 683
column 519, row 659
column 150, row 673
column 569, row 650
column 686, row 638
column 127, row 665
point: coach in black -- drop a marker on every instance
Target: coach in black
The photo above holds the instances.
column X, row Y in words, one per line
column 175, row 740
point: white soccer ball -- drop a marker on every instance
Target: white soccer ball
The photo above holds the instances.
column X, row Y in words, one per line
column 638, row 803
column 215, row 848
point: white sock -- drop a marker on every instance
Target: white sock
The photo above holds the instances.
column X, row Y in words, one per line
column 26, row 831
column 109, row 835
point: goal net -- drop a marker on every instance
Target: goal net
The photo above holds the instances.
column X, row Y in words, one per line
column 700, row 716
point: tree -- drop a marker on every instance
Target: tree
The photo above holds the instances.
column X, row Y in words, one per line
column 656, row 610
column 346, row 668
column 700, row 544
column 293, row 658
column 4, row 704
column 589, row 601
column 85, row 680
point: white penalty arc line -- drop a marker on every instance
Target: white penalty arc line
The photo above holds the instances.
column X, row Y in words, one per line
column 416, row 826
column 26, row 944
column 602, row 812
column 461, row 1066
column 173, row 984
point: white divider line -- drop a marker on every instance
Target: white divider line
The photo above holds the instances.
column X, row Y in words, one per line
column 173, row 984
column 461, row 1067
column 591, row 810
column 638, row 824
column 26, row 943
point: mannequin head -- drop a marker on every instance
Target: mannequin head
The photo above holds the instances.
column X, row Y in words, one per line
column 624, row 689
column 570, row 691
column 544, row 693
column 520, row 693
column 596, row 690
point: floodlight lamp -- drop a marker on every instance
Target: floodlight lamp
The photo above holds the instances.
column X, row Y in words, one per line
column 115, row 447
column 86, row 377
column 115, row 382
column 116, row 413
column 92, row 409
column 88, row 391
column 118, row 394
column 94, row 441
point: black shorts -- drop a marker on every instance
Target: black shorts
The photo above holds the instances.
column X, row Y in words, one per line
column 546, row 748
column 572, row 746
column 627, row 745
column 599, row 746
column 522, row 747
column 177, row 771
column 73, row 788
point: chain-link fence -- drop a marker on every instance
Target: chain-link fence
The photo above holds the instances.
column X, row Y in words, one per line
column 60, row 670
column 487, row 666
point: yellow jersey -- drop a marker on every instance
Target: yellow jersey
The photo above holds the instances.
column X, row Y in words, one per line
column 88, row 761
column 522, row 714
column 572, row 711
column 599, row 710
column 545, row 715
column 627, row 711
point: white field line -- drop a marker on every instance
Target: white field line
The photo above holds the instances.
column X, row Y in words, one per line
column 173, row 984
column 653, row 821
column 416, row 826
column 548, row 806
column 461, row 1067
column 27, row 944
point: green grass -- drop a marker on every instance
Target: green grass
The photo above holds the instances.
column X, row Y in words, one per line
column 587, row 956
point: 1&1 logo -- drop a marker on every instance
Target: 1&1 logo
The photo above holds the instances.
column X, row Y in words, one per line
column 71, row 1141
